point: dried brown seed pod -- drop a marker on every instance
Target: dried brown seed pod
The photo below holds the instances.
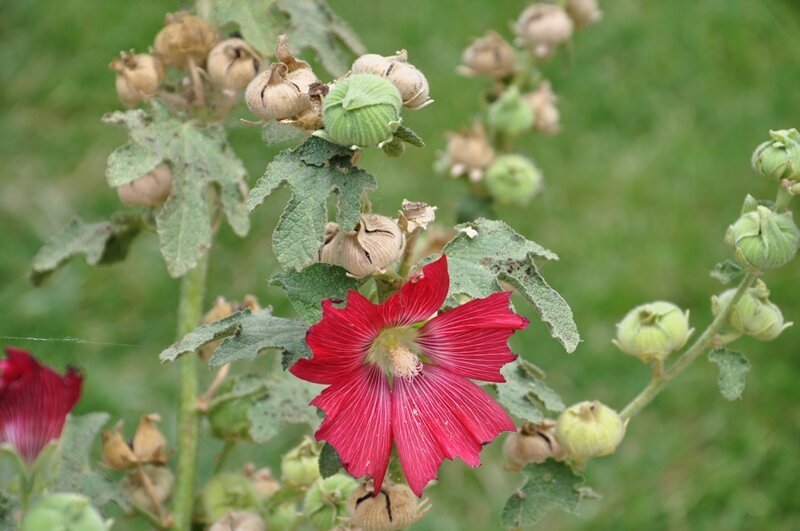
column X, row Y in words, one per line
column 490, row 55
column 409, row 80
column 546, row 118
column 149, row 444
column 232, row 64
column 533, row 443
column 393, row 507
column 149, row 190
column 542, row 28
column 273, row 97
column 184, row 38
column 468, row 153
column 160, row 478
column 138, row 77
column 297, row 71
column 262, row 479
column 374, row 243
column 239, row 521
column 117, row 452
column 415, row 216
column 583, row 12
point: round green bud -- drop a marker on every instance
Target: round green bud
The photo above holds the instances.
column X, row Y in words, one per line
column 753, row 314
column 326, row 500
column 300, row 466
column 653, row 331
column 228, row 492
column 779, row 158
column 284, row 517
column 362, row 110
column 63, row 512
column 589, row 429
column 762, row 238
column 510, row 113
column 229, row 418
column 513, row 179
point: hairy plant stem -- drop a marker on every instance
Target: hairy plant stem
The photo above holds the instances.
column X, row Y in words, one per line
column 702, row 344
column 408, row 254
column 190, row 309
column 224, row 455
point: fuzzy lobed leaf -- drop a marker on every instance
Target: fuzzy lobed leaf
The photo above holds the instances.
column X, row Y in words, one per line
column 74, row 470
column 727, row 271
column 286, row 403
column 199, row 158
column 329, row 461
column 104, row 242
column 486, row 252
column 313, row 171
column 307, row 289
column 312, row 24
column 524, row 393
column 549, row 485
column 733, row 369
column 246, row 335
column 255, row 20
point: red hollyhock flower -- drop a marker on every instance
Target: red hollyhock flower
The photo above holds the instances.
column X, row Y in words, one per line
column 34, row 402
column 398, row 372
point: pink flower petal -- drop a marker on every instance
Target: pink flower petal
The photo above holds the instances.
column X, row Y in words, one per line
column 34, row 402
column 340, row 341
column 472, row 339
column 420, row 297
column 358, row 422
column 438, row 415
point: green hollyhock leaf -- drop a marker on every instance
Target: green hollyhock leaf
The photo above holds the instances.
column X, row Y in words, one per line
column 246, row 335
column 408, row 136
column 255, row 20
column 549, row 485
column 329, row 461
column 313, row 25
column 313, row 171
column 101, row 243
column 524, row 393
column 727, row 271
column 286, row 403
column 200, row 158
column 733, row 369
column 73, row 469
column 307, row 288
column 486, row 252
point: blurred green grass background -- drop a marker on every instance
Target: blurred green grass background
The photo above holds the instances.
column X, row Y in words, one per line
column 662, row 104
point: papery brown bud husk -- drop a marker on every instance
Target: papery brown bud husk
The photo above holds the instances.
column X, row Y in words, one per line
column 374, row 243
column 117, row 452
column 327, row 253
column 415, row 216
column 533, row 443
column 273, row 97
column 394, row 507
column 490, row 55
column 138, row 77
column 311, row 119
column 469, row 153
column 232, row 64
column 542, row 28
column 262, row 479
column 297, row 71
column 161, row 479
column 239, row 521
column 583, row 12
column 546, row 118
column 409, row 80
column 184, row 38
column 150, row 190
column 149, row 444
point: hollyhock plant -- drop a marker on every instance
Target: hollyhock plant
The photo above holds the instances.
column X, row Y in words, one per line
column 34, row 402
column 398, row 371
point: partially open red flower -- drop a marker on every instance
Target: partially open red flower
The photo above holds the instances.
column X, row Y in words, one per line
column 398, row 372
column 34, row 402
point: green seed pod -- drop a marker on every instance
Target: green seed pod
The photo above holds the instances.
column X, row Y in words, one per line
column 762, row 238
column 779, row 158
column 228, row 492
column 653, row 331
column 229, row 418
column 63, row 512
column 300, row 466
column 284, row 517
column 326, row 500
column 513, row 179
column 510, row 113
column 589, row 429
column 362, row 110
column 754, row 314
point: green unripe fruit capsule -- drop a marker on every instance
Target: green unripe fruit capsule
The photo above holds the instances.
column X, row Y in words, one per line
column 300, row 466
column 753, row 314
column 228, row 492
column 362, row 110
column 510, row 114
column 284, row 517
column 652, row 331
column 326, row 500
column 513, row 179
column 779, row 158
column 763, row 238
column 589, row 429
column 63, row 512
column 229, row 418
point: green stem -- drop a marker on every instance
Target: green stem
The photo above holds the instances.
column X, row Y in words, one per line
column 408, row 254
column 223, row 456
column 190, row 309
column 783, row 199
column 698, row 347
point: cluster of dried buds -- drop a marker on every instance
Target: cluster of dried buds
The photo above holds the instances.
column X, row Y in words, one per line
column 519, row 102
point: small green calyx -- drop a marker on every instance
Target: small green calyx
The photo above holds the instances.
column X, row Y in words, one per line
column 300, row 466
column 63, row 511
column 510, row 114
column 653, row 331
column 326, row 501
column 753, row 314
column 513, row 179
column 589, row 429
column 762, row 238
column 779, row 158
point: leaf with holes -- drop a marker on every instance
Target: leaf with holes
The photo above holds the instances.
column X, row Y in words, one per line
column 733, row 369
column 253, row 18
column 286, row 403
column 487, row 252
column 104, row 242
column 524, row 393
column 550, row 485
column 201, row 161
column 313, row 171
column 307, row 289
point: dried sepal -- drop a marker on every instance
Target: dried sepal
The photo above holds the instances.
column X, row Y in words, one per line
column 542, row 101
column 468, row 153
column 184, row 39
column 490, row 55
column 117, row 452
column 374, row 243
column 271, row 96
column 415, row 215
column 542, row 28
column 149, row 444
